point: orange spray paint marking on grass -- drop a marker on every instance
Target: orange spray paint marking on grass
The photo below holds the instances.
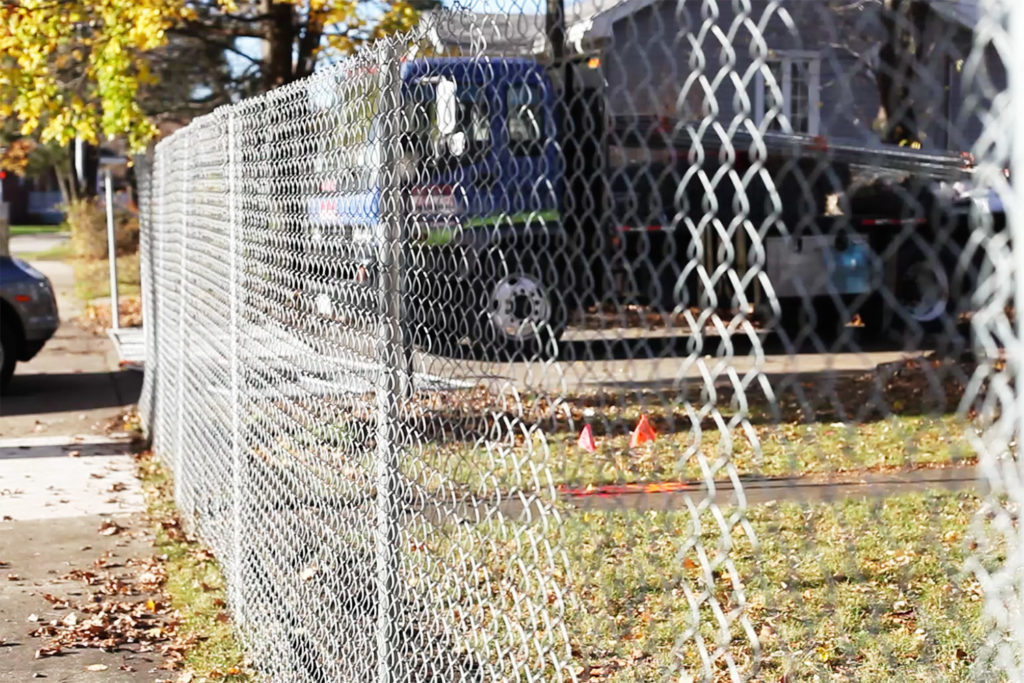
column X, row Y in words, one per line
column 608, row 490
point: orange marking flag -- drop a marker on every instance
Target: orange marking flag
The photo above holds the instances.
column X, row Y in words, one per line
column 643, row 433
column 586, row 440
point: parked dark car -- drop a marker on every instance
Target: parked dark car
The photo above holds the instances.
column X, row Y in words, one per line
column 28, row 314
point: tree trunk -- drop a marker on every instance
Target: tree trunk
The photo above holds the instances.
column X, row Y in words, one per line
column 82, row 182
column 308, row 45
column 277, row 46
column 900, row 58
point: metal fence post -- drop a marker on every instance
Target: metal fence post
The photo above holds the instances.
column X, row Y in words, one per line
column 183, row 293
column 115, row 312
column 391, row 358
column 236, row 456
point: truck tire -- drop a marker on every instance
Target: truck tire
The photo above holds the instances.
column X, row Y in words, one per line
column 922, row 289
column 522, row 313
column 921, row 298
column 9, row 350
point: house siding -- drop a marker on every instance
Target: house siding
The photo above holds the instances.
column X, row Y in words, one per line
column 672, row 59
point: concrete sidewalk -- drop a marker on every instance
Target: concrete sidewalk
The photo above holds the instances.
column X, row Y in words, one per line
column 74, row 385
column 66, row 479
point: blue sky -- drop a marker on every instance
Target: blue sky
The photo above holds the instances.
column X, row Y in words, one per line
column 252, row 45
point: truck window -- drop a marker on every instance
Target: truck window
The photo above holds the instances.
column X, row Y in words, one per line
column 449, row 122
column 525, row 120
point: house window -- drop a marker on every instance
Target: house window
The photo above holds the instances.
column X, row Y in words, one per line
column 796, row 77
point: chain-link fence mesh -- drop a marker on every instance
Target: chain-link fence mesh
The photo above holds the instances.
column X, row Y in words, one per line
column 624, row 341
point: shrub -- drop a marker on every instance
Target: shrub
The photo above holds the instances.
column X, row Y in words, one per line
column 88, row 222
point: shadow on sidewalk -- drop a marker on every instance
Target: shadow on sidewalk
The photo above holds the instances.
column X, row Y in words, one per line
column 60, row 392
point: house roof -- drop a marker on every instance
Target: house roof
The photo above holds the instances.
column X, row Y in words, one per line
column 483, row 32
column 586, row 20
column 964, row 12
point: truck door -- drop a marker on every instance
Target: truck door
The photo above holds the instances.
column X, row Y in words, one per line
column 527, row 162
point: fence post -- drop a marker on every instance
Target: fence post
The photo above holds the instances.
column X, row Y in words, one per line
column 115, row 312
column 236, row 454
column 1015, row 209
column 182, row 303
column 390, row 360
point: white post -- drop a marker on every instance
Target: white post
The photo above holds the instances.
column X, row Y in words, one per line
column 390, row 357
column 115, row 318
column 237, row 461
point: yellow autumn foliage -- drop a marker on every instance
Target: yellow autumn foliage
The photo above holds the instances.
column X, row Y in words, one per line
column 75, row 67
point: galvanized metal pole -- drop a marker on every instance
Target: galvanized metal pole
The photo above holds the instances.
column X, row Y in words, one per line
column 238, row 479
column 391, row 359
column 182, row 310
column 115, row 313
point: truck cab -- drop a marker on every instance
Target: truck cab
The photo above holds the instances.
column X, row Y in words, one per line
column 477, row 176
column 519, row 201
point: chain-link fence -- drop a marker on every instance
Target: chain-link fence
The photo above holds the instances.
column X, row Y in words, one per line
column 624, row 341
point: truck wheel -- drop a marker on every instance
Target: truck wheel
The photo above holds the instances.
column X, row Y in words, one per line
column 8, row 355
column 923, row 291
column 923, row 301
column 522, row 313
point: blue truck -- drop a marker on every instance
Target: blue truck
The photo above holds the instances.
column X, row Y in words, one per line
column 520, row 203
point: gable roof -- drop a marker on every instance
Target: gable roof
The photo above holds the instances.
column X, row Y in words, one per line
column 967, row 13
column 586, row 20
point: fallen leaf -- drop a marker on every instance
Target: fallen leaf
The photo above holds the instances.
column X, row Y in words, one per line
column 33, row 617
column 74, row 454
column 13, row 577
column 97, row 667
column 70, row 620
column 109, row 528
column 150, row 605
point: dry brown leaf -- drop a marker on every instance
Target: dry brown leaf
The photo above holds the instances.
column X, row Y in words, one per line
column 74, row 454
column 110, row 527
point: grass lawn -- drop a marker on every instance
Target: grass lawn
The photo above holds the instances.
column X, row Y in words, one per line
column 763, row 450
column 59, row 252
column 195, row 585
column 36, row 229
column 891, row 418
column 860, row 590
column 92, row 277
